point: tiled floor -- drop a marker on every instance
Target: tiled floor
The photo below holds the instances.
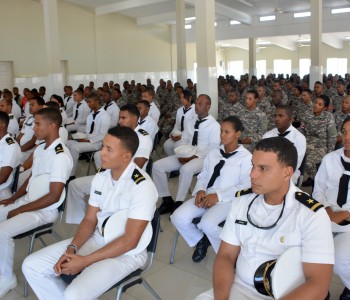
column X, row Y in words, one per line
column 181, row 281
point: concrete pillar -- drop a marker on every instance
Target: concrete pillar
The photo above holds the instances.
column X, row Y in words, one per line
column 52, row 43
column 205, row 49
column 252, row 57
column 316, row 68
column 181, row 71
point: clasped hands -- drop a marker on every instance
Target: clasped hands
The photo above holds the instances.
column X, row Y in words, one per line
column 204, row 200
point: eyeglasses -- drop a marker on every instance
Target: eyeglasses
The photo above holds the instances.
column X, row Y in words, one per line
column 270, row 226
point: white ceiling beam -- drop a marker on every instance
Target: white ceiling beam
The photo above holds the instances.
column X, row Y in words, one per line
column 228, row 12
column 283, row 43
column 332, row 41
column 162, row 18
column 128, row 4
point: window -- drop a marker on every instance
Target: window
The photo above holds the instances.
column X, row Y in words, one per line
column 235, row 68
column 260, row 68
column 282, row 66
column 337, row 66
column 304, row 66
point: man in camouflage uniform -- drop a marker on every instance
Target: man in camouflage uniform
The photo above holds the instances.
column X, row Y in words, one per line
column 277, row 98
column 232, row 108
column 118, row 97
column 340, row 116
column 130, row 95
column 305, row 107
column 320, row 133
column 161, row 93
column 168, row 113
column 329, row 90
column 264, row 102
column 254, row 121
column 338, row 98
column 242, row 89
column 295, row 98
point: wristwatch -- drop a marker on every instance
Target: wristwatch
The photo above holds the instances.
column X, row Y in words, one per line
column 74, row 247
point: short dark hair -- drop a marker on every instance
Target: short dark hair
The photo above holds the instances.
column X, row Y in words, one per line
column 53, row 104
column 325, row 99
column 347, row 119
column 40, row 101
column 131, row 109
column 285, row 150
column 235, row 122
column 93, row 97
column 308, row 91
column 127, row 136
column 288, row 109
column 59, row 99
column 51, row 114
column 145, row 103
column 4, row 117
column 187, row 94
column 206, row 97
column 254, row 92
column 298, row 87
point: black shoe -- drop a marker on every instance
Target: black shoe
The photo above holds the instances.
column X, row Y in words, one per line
column 201, row 250
column 308, row 182
column 174, row 174
column 84, row 156
column 176, row 205
column 166, row 206
column 345, row 295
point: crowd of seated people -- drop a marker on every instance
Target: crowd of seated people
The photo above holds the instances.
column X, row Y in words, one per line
column 251, row 153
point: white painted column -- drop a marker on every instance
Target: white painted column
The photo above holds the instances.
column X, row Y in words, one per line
column 205, row 49
column 52, row 43
column 316, row 68
column 252, row 57
column 181, row 71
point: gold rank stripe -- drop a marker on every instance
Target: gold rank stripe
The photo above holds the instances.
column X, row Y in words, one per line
column 139, row 179
column 315, row 206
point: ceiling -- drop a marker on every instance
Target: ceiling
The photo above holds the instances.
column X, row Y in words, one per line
column 246, row 11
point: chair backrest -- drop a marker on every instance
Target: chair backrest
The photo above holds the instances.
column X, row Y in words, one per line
column 15, row 180
column 155, row 142
column 156, row 227
column 302, row 165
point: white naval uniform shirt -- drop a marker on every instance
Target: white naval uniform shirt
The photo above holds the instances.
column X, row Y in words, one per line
column 154, row 112
column 16, row 110
column 55, row 161
column 299, row 141
column 83, row 112
column 145, row 144
column 64, row 116
column 327, row 180
column 27, row 129
column 13, row 127
column 101, row 125
column 10, row 156
column 133, row 191
column 298, row 226
column 191, row 113
column 113, row 111
column 69, row 106
column 234, row 175
column 208, row 136
column 150, row 126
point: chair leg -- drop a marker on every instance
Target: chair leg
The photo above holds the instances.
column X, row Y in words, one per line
column 90, row 162
column 173, row 248
column 161, row 228
column 150, row 289
column 42, row 241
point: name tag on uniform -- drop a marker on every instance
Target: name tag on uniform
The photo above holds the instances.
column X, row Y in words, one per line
column 240, row 222
column 98, row 192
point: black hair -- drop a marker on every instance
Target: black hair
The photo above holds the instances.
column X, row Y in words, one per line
column 298, row 87
column 347, row 119
column 235, row 122
column 51, row 114
column 308, row 91
column 285, row 150
column 187, row 95
column 325, row 99
column 53, row 104
column 93, row 97
column 254, row 92
column 59, row 99
column 206, row 97
column 127, row 136
column 145, row 103
column 131, row 109
column 40, row 101
column 288, row 109
column 4, row 117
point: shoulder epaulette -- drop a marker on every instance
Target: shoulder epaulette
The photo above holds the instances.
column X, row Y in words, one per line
column 305, row 199
column 11, row 117
column 137, row 177
column 101, row 170
column 59, row 148
column 243, row 192
column 142, row 131
column 10, row 141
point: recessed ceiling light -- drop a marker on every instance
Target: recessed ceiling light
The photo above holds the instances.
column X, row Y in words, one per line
column 215, row 24
column 267, row 18
column 340, row 10
column 234, row 22
column 263, row 43
column 190, row 18
column 347, row 37
column 302, row 14
column 188, row 26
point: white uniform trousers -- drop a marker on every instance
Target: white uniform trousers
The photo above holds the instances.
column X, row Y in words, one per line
column 16, row 225
column 92, row 282
column 238, row 292
column 23, row 177
column 170, row 145
column 169, row 164
column 209, row 224
column 78, row 189
column 76, row 148
column 5, row 194
column 76, row 127
column 342, row 257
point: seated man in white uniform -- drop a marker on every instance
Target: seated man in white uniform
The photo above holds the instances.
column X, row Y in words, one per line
column 16, row 110
column 6, row 106
column 225, row 171
column 154, row 112
column 97, row 125
column 110, row 107
column 283, row 121
column 80, row 113
column 267, row 220
column 26, row 138
column 99, row 263
column 204, row 134
column 184, row 115
column 79, row 188
column 68, row 101
column 10, row 157
column 19, row 213
column 146, row 122
column 332, row 190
